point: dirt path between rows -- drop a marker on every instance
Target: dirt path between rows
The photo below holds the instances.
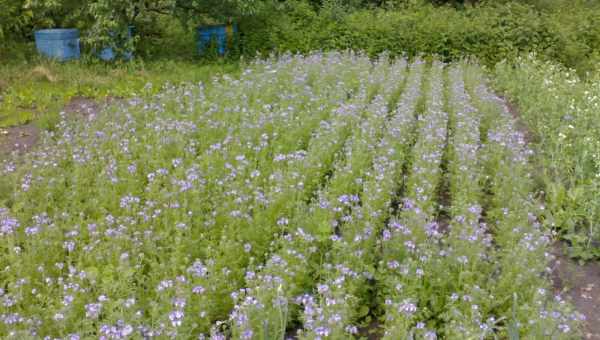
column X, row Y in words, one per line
column 581, row 284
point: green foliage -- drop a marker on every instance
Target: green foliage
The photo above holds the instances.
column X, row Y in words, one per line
column 561, row 111
column 10, row 21
column 110, row 20
column 201, row 11
column 576, row 36
column 490, row 31
column 39, row 90
column 54, row 13
column 105, row 22
column 565, row 31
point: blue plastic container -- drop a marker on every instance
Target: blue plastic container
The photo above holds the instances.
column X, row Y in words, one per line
column 60, row 43
column 222, row 35
column 108, row 53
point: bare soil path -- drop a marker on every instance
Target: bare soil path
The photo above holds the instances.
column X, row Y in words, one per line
column 581, row 284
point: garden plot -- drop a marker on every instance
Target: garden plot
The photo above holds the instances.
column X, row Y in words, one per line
column 312, row 197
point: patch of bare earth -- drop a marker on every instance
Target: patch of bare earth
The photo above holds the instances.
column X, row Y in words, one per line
column 23, row 138
column 581, row 283
column 84, row 107
column 18, row 139
column 514, row 111
column 372, row 331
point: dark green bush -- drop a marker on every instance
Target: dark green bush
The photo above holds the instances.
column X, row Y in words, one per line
column 490, row 31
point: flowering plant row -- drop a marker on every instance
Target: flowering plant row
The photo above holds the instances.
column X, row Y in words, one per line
column 319, row 196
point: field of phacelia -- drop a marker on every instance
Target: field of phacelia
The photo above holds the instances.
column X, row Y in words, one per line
column 327, row 196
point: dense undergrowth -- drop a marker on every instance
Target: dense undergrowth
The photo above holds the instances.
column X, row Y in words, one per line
column 320, row 196
column 561, row 111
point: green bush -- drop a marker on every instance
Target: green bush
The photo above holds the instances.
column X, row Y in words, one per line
column 490, row 31
column 577, row 36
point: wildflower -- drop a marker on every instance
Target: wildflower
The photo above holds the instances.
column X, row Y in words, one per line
column 430, row 335
column 407, row 308
column 176, row 318
column 350, row 329
column 247, row 334
column 92, row 310
column 198, row 269
column 322, row 331
column 7, row 225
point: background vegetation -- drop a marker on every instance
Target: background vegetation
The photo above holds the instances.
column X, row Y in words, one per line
column 491, row 31
column 560, row 30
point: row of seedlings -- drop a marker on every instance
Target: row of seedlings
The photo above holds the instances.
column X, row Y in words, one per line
column 468, row 245
column 523, row 305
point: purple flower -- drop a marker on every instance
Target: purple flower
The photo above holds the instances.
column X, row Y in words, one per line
column 247, row 334
column 407, row 307
column 176, row 318
column 128, row 200
column 322, row 331
column 7, row 225
column 92, row 310
column 198, row 269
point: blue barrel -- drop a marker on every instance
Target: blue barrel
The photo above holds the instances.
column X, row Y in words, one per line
column 108, row 53
column 59, row 43
column 221, row 35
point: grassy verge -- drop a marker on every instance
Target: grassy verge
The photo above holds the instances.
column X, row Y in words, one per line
column 37, row 89
column 560, row 110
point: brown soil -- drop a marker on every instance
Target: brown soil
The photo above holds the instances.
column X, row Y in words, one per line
column 372, row 331
column 18, row 139
column 581, row 283
column 22, row 138
column 83, row 106
column 514, row 111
